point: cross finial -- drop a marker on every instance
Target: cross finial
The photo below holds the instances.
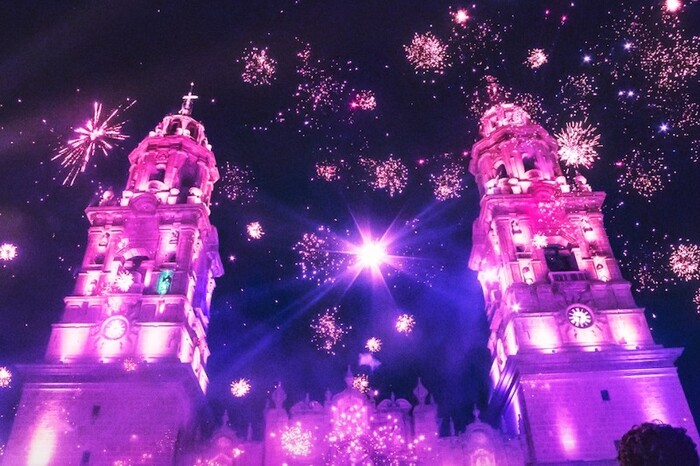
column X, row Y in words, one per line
column 186, row 108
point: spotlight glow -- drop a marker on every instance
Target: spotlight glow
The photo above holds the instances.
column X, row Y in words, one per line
column 371, row 254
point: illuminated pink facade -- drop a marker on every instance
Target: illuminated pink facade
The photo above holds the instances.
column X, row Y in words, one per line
column 124, row 374
column 574, row 365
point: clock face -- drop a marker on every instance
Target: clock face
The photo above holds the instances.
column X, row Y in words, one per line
column 579, row 317
column 114, row 328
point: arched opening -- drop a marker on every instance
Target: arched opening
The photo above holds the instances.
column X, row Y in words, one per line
column 194, row 132
column 174, row 126
column 529, row 162
column 501, row 172
column 560, row 258
column 188, row 179
column 158, row 174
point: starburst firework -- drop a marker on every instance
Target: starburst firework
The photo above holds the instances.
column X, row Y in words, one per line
column 255, row 230
column 427, row 53
column 539, row 240
column 364, row 100
column 237, row 183
column 373, row 344
column 448, row 183
column 328, row 330
column 320, row 256
column 361, row 383
column 297, row 441
column 405, row 324
column 8, row 252
column 98, row 134
column 240, row 387
column 685, row 261
column 124, row 281
column 536, row 58
column 578, row 144
column 643, row 176
column 259, row 67
column 390, row 174
column 5, row 377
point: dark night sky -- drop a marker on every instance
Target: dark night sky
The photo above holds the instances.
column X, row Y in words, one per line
column 59, row 57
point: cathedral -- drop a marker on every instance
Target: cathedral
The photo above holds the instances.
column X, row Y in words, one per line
column 573, row 363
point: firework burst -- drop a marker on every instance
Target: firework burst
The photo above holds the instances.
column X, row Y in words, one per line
column 240, row 388
column 8, row 252
column 373, row 344
column 536, row 58
column 237, row 184
column 320, row 256
column 328, row 330
column 259, row 67
column 684, row 261
column 361, row 383
column 578, row 144
column 297, row 441
column 448, row 183
column 98, row 134
column 427, row 53
column 364, row 100
column 5, row 377
column 643, row 176
column 405, row 324
column 255, row 230
column 390, row 174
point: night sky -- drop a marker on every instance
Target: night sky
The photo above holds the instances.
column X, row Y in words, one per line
column 630, row 72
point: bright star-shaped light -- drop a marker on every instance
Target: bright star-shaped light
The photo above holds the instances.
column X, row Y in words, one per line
column 586, row 58
column 371, row 254
column 663, row 127
column 673, row 5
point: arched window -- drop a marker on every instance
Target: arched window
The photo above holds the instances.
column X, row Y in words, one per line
column 501, row 171
column 529, row 162
column 158, row 174
column 174, row 126
column 194, row 132
column 560, row 259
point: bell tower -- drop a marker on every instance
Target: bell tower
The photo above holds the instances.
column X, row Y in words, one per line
column 574, row 365
column 125, row 370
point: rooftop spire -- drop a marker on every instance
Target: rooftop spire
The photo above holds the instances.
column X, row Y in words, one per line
column 186, row 108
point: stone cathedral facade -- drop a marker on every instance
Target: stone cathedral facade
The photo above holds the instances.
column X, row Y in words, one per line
column 574, row 365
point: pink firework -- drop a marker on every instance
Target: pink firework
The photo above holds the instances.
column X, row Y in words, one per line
column 8, row 252
column 97, row 134
column 536, row 58
column 124, row 281
column 5, row 377
column 237, row 183
column 297, row 441
column 328, row 330
column 259, row 67
column 642, row 175
column 461, row 16
column 685, row 261
column 390, row 174
column 255, row 230
column 448, row 183
column 320, row 256
column 696, row 300
column 364, row 100
column 405, row 324
column 578, row 144
column 240, row 388
column 327, row 171
column 361, row 383
column 373, row 344
column 427, row 53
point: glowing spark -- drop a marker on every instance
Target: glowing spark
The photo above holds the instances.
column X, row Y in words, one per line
column 364, row 100
column 8, row 252
column 255, row 230
column 240, row 387
column 361, row 383
column 124, row 281
column 97, row 134
column 673, row 6
column 5, row 377
column 427, row 53
column 405, row 324
column 328, row 330
column 539, row 241
column 685, row 261
column 578, row 144
column 297, row 441
column 696, row 300
column 373, row 344
column 536, row 58
column 259, row 68
column 461, row 16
